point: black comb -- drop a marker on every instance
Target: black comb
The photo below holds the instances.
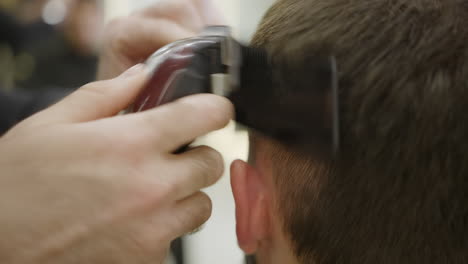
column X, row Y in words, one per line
column 293, row 102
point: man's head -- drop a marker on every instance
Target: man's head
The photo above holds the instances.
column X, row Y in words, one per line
column 399, row 191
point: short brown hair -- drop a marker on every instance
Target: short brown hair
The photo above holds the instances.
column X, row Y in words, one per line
column 399, row 192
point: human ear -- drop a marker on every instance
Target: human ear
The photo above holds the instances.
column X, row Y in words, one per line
column 252, row 206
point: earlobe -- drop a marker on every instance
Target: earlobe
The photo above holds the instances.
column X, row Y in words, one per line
column 251, row 206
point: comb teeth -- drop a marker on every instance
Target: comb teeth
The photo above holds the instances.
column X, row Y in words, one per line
column 254, row 56
column 256, row 70
column 292, row 101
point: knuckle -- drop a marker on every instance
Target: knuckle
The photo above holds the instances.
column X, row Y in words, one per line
column 176, row 7
column 218, row 118
column 206, row 206
column 95, row 89
column 163, row 9
column 132, row 142
column 148, row 244
column 146, row 128
column 220, row 111
column 215, row 160
column 118, row 31
column 95, row 92
column 210, row 163
column 140, row 243
column 203, row 211
column 146, row 193
column 137, row 136
column 112, row 30
column 128, row 146
column 115, row 24
column 198, row 213
column 167, row 187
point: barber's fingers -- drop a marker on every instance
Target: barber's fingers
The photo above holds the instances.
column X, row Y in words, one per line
column 138, row 37
column 210, row 12
column 181, row 12
column 96, row 100
column 198, row 168
column 190, row 213
column 168, row 127
column 196, row 12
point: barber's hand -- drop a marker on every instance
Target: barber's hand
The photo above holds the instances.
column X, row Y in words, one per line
column 131, row 40
column 78, row 185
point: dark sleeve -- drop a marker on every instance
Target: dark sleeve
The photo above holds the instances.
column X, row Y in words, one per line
column 14, row 107
column 11, row 107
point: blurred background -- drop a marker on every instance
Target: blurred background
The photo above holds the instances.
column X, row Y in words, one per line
column 48, row 48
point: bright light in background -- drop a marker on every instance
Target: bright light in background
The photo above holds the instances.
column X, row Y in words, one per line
column 54, row 12
column 115, row 8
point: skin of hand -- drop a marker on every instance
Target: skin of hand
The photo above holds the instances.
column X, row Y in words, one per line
column 81, row 185
column 131, row 40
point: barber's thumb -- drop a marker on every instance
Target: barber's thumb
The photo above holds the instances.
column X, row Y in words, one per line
column 98, row 100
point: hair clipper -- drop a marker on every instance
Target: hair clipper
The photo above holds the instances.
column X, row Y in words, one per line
column 294, row 104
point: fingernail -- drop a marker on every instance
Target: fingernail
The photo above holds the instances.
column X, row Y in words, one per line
column 133, row 70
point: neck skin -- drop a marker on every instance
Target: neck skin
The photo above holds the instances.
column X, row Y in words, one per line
column 276, row 249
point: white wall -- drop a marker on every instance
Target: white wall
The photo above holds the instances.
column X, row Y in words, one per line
column 251, row 13
column 114, row 8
